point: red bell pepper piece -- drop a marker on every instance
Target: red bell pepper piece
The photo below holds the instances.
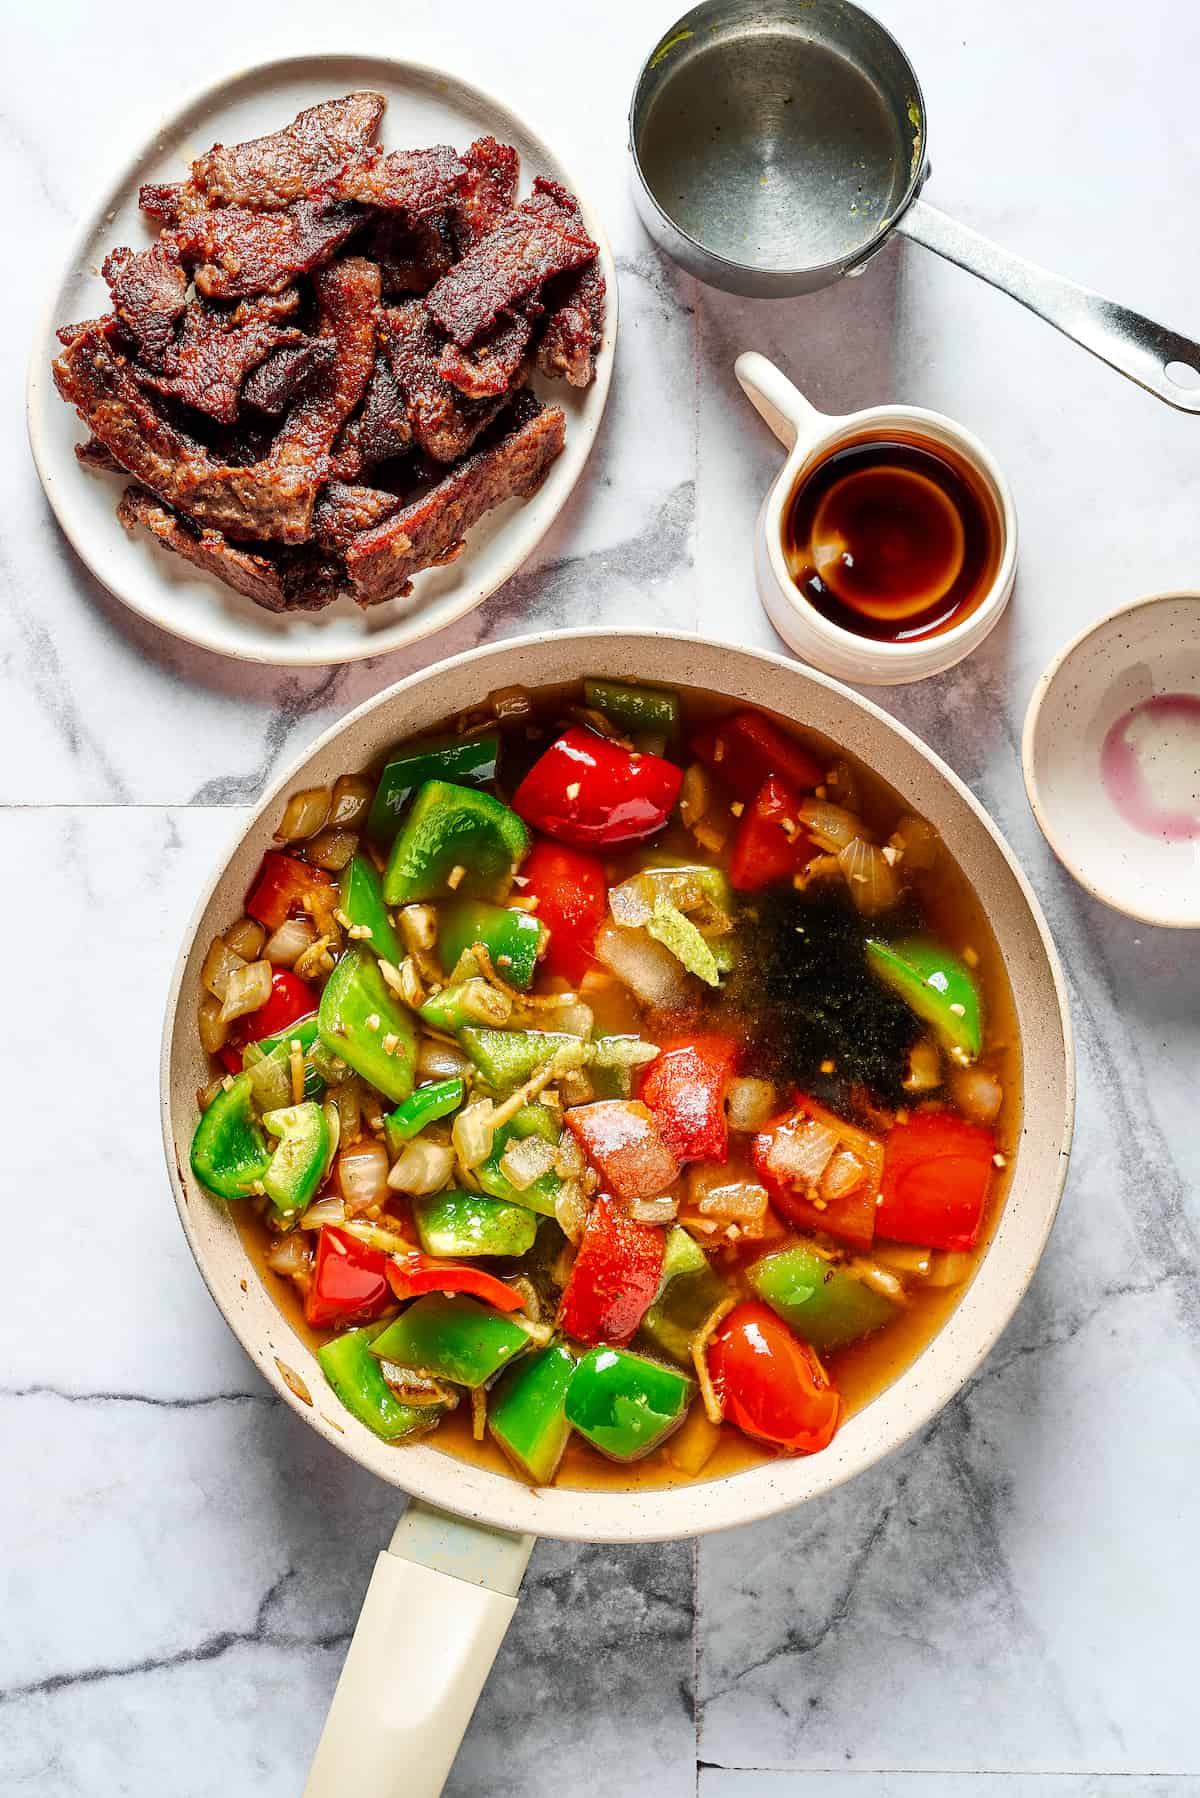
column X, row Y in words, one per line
column 588, row 791
column 623, row 1144
column 783, row 1157
column 936, row 1171
column 230, row 1057
column 291, row 999
column 771, row 844
column 410, row 1275
column 773, row 1386
column 280, row 888
column 685, row 1090
column 614, row 1277
column 745, row 749
column 572, row 895
column 349, row 1283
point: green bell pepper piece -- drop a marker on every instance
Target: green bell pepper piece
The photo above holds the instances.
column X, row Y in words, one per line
column 304, row 1032
column 634, row 708
column 444, row 1010
column 454, row 827
column 527, row 1412
column 469, row 759
column 229, row 1151
column 461, row 1224
column 825, row 1304
column 355, row 1375
column 450, row 1337
column 688, row 1293
column 507, row 1057
column 423, row 1106
column 512, row 938
column 541, row 1194
column 355, row 992
column 362, row 902
column 938, row 987
column 625, row 1405
column 298, row 1163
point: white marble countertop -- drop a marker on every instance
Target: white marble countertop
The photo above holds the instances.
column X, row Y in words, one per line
column 1009, row 1606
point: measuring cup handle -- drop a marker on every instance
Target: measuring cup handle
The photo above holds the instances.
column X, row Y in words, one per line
column 1133, row 345
column 784, row 407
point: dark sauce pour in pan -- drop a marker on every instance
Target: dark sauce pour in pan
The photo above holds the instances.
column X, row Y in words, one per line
column 892, row 538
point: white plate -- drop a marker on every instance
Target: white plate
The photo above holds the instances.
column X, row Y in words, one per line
column 424, row 106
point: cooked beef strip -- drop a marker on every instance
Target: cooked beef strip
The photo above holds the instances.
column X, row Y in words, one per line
column 149, row 292
column 234, row 253
column 541, row 238
column 380, row 431
column 492, row 364
column 412, row 256
column 212, row 358
column 67, row 334
column 270, row 308
column 343, row 511
column 444, row 424
column 489, row 192
column 254, row 575
column 431, row 529
column 286, row 374
column 94, row 454
column 267, row 173
column 417, row 183
column 568, row 345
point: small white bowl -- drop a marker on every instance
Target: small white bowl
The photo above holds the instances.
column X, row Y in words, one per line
column 809, row 437
column 1146, row 649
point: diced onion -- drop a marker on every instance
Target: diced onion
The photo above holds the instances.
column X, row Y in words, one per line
column 749, row 1103
column 324, row 1211
column 570, row 1210
column 511, row 702
column 924, row 1073
column 653, row 1211
column 249, row 989
column 270, row 1079
column 917, row 841
column 423, row 1167
column 695, row 795
column 485, row 1003
column 285, row 946
column 648, row 969
column 844, row 1173
column 526, row 1160
column 214, row 1032
column 568, row 1157
column 332, row 849
column 290, row 1256
column 315, row 961
column 949, row 1269
column 880, row 1279
column 693, row 1445
column 303, row 815
column 830, row 826
column 739, row 1202
column 978, row 1094
column 904, row 1259
column 361, row 1172
column 800, row 1156
column 870, row 877
column 207, row 1094
column 624, row 1052
column 351, row 797
column 472, row 1133
column 575, row 1019
column 245, row 938
column 219, row 964
column 418, row 926
column 438, row 1060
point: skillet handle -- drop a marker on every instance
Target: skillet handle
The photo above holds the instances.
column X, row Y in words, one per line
column 440, row 1599
column 1133, row 345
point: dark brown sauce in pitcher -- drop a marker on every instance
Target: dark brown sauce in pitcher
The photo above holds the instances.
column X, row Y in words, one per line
column 893, row 538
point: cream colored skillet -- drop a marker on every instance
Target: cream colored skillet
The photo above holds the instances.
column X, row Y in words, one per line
column 442, row 1594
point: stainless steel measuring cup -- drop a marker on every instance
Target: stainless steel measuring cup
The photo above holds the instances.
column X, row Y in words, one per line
column 777, row 144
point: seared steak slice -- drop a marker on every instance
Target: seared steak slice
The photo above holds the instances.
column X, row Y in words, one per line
column 269, row 308
column 268, row 173
column 381, row 430
column 286, row 373
column 567, row 350
column 430, row 529
column 418, row 183
column 247, row 572
column 444, row 423
column 93, row 454
column 541, row 238
column 489, row 191
column 412, row 255
column 492, row 365
column 234, row 253
column 149, row 292
column 343, row 511
column 212, row 358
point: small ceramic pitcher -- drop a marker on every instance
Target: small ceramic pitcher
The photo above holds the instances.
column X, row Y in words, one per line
column 810, row 437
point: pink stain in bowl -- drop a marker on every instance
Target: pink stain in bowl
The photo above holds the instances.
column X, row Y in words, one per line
column 1150, row 766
